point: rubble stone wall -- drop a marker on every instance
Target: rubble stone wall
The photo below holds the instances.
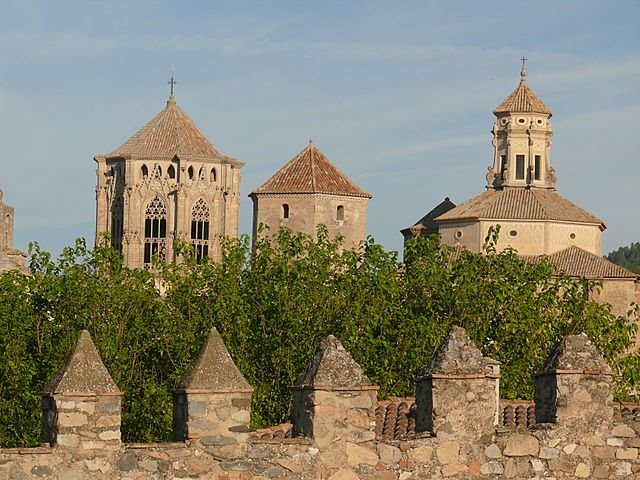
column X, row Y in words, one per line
column 581, row 436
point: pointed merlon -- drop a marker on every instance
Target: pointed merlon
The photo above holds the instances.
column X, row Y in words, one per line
column 83, row 372
column 575, row 354
column 332, row 367
column 214, row 370
column 457, row 355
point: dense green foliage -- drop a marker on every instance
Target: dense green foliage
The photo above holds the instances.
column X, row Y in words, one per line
column 272, row 304
column 627, row 257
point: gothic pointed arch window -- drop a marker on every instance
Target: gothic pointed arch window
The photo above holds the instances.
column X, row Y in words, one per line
column 213, row 176
column 157, row 172
column 171, row 171
column 155, row 231
column 200, row 229
column 117, row 215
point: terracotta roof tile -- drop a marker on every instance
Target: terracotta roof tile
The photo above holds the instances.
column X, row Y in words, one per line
column 577, row 262
column 170, row 133
column 522, row 99
column 517, row 413
column 311, row 172
column 277, row 432
column 520, row 204
column 396, row 419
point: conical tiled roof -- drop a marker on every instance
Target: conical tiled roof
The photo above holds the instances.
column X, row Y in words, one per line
column 214, row 369
column 83, row 372
column 311, row 172
column 170, row 133
column 521, row 204
column 522, row 100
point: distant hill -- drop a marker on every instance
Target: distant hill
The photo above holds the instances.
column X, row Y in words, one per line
column 627, row 257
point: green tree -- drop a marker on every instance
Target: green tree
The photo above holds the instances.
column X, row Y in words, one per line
column 273, row 302
column 627, row 257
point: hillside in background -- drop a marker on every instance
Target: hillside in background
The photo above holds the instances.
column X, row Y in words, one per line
column 627, row 257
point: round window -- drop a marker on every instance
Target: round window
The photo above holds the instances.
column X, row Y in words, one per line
column 572, row 236
column 458, row 234
column 521, row 121
column 513, row 233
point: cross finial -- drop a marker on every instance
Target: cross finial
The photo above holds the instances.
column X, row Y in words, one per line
column 311, row 141
column 172, row 83
column 523, row 72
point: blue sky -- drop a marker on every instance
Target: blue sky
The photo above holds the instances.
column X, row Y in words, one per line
column 398, row 94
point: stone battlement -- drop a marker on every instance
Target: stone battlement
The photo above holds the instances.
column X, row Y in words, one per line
column 455, row 427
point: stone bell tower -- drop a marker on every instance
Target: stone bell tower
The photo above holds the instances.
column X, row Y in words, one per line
column 166, row 183
column 522, row 140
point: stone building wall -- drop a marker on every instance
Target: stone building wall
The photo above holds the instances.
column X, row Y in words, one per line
column 578, row 434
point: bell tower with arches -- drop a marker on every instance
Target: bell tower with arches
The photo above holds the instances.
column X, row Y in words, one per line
column 166, row 183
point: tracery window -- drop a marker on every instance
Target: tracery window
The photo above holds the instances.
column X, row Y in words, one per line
column 157, row 172
column 117, row 215
column 200, row 229
column 155, row 231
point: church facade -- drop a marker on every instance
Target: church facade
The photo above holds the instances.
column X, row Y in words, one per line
column 167, row 183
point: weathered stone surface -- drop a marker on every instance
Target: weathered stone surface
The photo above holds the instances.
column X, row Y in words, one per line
column 214, row 368
column 456, row 355
column 623, row 431
column 601, row 471
column 127, row 462
column 197, row 408
column 242, row 416
column 218, row 441
column 357, row 455
column 582, row 470
column 274, row 472
column 333, row 367
column 72, row 419
column 344, row 474
column 521, row 444
column 546, row 452
column 575, row 353
column 236, row 466
column 493, row 451
column 83, row 371
column 421, row 454
column 623, row 469
column 453, row 469
column 42, row 471
column 448, row 452
column 388, row 454
column 292, row 466
column 492, row 468
column 627, row 453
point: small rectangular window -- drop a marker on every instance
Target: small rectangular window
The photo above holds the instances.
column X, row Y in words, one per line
column 519, row 167
column 537, row 167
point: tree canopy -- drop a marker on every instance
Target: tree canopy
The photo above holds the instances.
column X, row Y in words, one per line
column 272, row 303
column 627, row 257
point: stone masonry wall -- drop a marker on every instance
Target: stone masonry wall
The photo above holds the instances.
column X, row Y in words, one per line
column 591, row 443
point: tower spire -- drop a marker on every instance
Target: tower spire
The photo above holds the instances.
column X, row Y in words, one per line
column 171, row 83
column 523, row 72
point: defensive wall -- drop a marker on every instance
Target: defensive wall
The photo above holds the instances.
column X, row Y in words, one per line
column 455, row 427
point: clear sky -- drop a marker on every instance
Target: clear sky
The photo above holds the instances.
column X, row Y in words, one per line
column 398, row 94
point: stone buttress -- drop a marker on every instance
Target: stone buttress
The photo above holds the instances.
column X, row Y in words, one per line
column 212, row 401
column 574, row 387
column 457, row 392
column 334, row 400
column 82, row 404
